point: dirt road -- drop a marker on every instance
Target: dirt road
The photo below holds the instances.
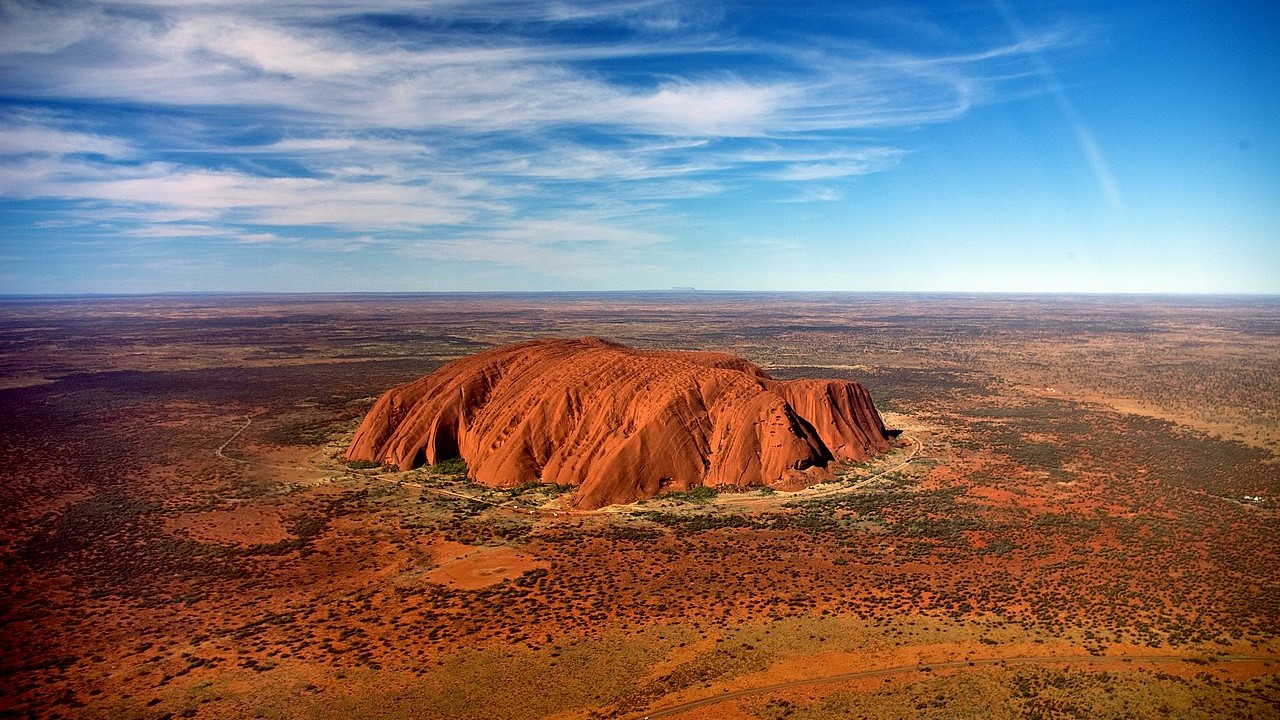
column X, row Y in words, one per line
column 723, row 500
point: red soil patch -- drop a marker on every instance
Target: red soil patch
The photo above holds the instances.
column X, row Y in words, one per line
column 245, row 525
column 471, row 567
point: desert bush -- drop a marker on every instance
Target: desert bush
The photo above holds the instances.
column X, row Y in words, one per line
column 452, row 466
column 699, row 494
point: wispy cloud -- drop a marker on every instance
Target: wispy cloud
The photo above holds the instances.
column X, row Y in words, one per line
column 481, row 130
column 838, row 164
column 815, row 193
column 1084, row 137
column 41, row 136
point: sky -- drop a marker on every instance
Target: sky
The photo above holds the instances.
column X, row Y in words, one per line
column 472, row 145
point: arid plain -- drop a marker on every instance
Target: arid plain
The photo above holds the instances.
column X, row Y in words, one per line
column 1078, row 520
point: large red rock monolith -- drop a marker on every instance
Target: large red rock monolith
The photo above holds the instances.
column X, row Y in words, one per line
column 620, row 424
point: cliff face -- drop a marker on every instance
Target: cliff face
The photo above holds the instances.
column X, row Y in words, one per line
column 620, row 424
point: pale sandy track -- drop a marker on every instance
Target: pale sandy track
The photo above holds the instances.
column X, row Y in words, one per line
column 758, row 500
column 247, row 419
column 610, row 510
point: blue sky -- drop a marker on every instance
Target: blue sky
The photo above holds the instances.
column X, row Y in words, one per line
column 442, row 145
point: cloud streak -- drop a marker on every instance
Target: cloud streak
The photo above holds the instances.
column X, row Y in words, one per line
column 496, row 132
column 1084, row 137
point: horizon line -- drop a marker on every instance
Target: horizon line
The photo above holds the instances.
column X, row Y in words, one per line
column 4, row 296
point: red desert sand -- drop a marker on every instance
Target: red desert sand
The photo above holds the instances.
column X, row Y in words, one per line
column 621, row 424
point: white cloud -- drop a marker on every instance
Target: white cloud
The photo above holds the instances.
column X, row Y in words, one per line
column 577, row 231
column 708, row 108
column 162, row 192
column 840, row 164
column 175, row 230
column 815, row 194
column 506, row 146
column 29, row 27
column 29, row 136
column 256, row 55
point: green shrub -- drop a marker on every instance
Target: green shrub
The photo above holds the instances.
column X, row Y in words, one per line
column 452, row 466
column 699, row 494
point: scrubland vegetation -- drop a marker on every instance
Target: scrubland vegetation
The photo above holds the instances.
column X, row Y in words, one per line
column 150, row 577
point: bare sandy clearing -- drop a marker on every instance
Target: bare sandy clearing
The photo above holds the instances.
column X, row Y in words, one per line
column 471, row 567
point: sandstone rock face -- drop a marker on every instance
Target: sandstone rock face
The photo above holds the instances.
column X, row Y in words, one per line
column 620, row 424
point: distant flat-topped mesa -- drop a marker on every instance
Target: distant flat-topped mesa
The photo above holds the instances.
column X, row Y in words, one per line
column 621, row 424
